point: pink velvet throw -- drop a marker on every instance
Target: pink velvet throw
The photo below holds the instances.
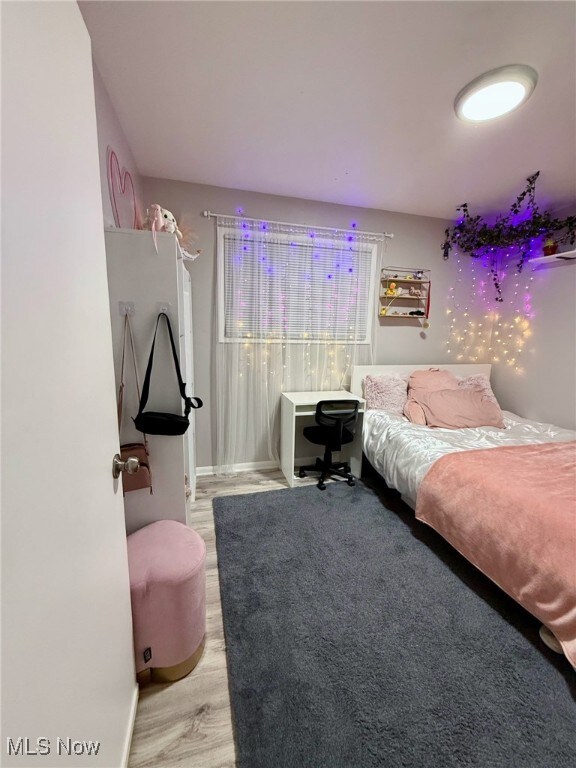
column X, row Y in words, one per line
column 511, row 511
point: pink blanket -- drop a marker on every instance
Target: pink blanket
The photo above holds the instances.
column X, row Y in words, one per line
column 511, row 511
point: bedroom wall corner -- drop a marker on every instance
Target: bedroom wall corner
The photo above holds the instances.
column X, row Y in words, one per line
column 545, row 390
column 111, row 134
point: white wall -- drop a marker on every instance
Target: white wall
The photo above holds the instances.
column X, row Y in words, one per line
column 67, row 656
column 416, row 243
column 546, row 388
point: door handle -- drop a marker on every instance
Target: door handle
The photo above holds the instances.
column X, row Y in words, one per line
column 131, row 465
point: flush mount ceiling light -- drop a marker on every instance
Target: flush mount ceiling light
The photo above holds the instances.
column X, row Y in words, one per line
column 495, row 93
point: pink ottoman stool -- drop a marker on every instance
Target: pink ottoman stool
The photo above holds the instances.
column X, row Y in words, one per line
column 167, row 586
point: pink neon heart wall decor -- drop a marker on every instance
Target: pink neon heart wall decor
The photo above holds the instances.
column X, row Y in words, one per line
column 122, row 194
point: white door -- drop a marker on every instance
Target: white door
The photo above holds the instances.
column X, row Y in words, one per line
column 67, row 660
column 187, row 357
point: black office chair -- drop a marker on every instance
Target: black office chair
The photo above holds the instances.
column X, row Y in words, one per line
column 336, row 420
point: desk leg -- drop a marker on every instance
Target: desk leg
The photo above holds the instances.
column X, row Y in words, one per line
column 287, row 440
column 356, row 449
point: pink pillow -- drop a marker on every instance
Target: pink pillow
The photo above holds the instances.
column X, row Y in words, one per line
column 387, row 392
column 460, row 408
column 478, row 381
column 431, row 379
column 425, row 381
column 415, row 413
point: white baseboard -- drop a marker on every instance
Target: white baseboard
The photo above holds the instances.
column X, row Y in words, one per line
column 130, row 730
column 251, row 466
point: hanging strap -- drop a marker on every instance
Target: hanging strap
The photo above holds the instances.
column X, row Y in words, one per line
column 189, row 402
column 128, row 334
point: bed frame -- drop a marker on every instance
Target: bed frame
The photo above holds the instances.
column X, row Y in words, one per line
column 359, row 371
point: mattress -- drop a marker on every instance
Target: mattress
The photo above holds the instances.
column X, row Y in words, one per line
column 403, row 452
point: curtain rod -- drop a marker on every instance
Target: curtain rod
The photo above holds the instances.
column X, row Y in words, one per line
column 210, row 214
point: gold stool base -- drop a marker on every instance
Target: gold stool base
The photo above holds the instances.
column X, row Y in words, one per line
column 171, row 674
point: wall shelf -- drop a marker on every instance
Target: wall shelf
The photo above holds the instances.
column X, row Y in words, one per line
column 404, row 292
column 556, row 258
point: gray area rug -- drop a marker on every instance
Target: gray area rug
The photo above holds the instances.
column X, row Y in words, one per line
column 357, row 637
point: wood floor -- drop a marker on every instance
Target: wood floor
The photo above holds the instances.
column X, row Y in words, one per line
column 188, row 723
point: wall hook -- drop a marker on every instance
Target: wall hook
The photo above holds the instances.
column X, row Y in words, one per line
column 127, row 308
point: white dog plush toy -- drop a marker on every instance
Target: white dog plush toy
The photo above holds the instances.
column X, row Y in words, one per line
column 161, row 220
column 158, row 219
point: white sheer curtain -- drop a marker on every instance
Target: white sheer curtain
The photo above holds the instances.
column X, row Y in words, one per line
column 295, row 310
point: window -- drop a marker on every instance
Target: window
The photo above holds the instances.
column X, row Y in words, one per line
column 295, row 286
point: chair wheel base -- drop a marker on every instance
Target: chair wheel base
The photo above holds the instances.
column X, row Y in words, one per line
column 327, row 470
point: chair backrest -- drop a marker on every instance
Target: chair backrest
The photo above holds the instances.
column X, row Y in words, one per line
column 337, row 414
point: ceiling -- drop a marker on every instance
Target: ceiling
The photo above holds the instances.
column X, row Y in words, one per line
column 343, row 102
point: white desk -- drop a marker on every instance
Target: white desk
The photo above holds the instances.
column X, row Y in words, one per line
column 297, row 410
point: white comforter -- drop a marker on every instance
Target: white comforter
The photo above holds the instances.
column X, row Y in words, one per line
column 403, row 452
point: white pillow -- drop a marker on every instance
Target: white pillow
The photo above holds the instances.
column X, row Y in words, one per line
column 387, row 392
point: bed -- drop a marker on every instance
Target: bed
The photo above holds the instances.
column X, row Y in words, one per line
column 504, row 498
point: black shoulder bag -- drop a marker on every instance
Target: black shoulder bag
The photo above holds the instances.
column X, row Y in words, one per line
column 152, row 422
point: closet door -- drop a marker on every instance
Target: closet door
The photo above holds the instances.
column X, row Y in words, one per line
column 187, row 359
column 151, row 281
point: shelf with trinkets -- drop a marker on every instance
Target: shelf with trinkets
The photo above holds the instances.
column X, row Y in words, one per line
column 404, row 292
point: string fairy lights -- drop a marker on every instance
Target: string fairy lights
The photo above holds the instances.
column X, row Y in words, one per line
column 503, row 248
column 477, row 332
